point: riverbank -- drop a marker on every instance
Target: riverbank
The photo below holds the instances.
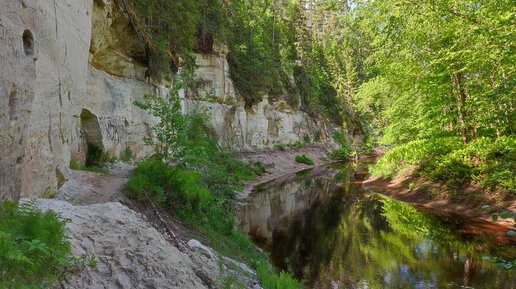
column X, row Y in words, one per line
column 467, row 200
column 283, row 162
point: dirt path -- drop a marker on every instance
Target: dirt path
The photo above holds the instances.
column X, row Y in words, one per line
column 87, row 188
column 129, row 243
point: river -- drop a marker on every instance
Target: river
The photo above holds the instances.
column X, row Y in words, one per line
column 322, row 226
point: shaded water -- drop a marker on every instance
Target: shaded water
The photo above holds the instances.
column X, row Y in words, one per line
column 331, row 233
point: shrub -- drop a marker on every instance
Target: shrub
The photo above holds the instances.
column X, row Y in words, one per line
column 95, row 156
column 340, row 154
column 200, row 188
column 304, row 159
column 126, row 155
column 270, row 279
column 317, row 136
column 421, row 153
column 185, row 194
column 340, row 137
column 34, row 252
column 173, row 187
column 306, row 139
column 260, row 168
column 491, row 162
column 281, row 147
column 75, row 164
column 299, row 144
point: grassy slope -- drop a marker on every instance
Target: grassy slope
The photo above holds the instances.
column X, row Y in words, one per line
column 488, row 164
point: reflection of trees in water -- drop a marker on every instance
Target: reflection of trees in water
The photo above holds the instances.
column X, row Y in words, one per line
column 463, row 257
column 359, row 242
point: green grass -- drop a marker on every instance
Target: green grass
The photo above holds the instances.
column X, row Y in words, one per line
column 340, row 154
column 95, row 159
column 126, row 155
column 317, row 137
column 77, row 165
column 304, row 159
column 489, row 162
column 281, row 147
column 183, row 193
column 340, row 137
column 260, row 168
column 270, row 279
column 34, row 251
column 299, row 145
column 95, row 156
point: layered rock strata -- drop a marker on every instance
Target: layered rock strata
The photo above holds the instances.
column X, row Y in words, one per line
column 70, row 72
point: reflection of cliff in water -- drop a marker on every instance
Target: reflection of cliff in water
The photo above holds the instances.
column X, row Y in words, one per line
column 323, row 226
column 274, row 206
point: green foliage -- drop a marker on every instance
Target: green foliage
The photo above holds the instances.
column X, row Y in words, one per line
column 282, row 48
column 77, row 165
column 176, row 189
column 490, row 162
column 420, row 152
column 340, row 137
column 34, row 251
column 281, row 147
column 340, row 154
column 232, row 282
column 261, row 46
column 95, row 156
column 200, row 188
column 95, row 159
column 173, row 29
column 437, row 69
column 299, row 144
column 317, row 137
column 270, row 279
column 126, row 155
column 304, row 159
column 185, row 194
column 260, row 168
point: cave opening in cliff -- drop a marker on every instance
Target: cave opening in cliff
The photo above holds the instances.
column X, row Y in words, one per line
column 92, row 133
column 28, row 43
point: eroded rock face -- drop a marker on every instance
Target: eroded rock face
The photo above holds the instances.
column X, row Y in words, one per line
column 129, row 252
column 70, row 72
column 261, row 126
column 18, row 54
column 114, row 47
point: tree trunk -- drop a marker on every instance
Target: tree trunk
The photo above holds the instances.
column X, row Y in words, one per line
column 274, row 22
column 467, row 270
column 460, row 96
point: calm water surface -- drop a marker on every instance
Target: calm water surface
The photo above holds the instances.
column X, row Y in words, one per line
column 321, row 225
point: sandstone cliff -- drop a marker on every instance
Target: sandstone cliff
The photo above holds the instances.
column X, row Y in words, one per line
column 70, row 71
